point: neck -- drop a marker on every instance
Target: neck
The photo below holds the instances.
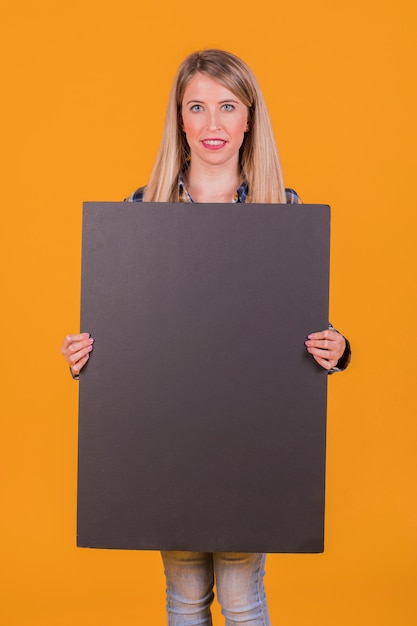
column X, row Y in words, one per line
column 213, row 183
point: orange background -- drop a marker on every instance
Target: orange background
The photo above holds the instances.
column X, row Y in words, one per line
column 84, row 90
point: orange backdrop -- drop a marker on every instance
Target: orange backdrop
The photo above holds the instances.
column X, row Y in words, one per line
column 84, row 90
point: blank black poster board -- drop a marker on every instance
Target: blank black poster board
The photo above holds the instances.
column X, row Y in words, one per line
column 202, row 418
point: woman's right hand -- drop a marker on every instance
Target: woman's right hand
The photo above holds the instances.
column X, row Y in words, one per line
column 76, row 351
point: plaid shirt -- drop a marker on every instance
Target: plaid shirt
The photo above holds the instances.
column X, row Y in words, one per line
column 239, row 196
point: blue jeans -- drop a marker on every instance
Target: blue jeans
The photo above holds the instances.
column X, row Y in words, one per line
column 239, row 577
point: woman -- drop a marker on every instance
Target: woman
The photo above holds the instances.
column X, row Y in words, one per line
column 217, row 146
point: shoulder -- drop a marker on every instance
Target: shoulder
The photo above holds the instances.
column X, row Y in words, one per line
column 292, row 196
column 136, row 196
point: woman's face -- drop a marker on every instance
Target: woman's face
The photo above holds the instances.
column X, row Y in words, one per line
column 214, row 121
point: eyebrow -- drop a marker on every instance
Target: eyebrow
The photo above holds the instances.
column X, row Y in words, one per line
column 220, row 101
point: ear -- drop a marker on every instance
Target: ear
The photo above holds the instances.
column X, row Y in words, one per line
column 247, row 124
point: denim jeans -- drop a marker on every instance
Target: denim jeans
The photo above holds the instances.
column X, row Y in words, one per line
column 239, row 577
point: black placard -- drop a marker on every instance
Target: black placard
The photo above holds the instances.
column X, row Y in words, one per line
column 202, row 418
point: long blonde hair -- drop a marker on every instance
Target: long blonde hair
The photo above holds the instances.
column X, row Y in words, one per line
column 259, row 160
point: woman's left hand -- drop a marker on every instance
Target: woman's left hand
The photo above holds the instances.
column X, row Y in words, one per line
column 326, row 347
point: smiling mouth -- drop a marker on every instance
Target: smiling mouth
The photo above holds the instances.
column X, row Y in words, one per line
column 213, row 143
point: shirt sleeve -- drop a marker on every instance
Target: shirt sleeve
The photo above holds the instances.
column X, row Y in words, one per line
column 343, row 362
column 136, row 196
column 292, row 196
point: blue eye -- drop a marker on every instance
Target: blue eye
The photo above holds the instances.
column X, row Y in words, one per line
column 196, row 107
column 228, row 107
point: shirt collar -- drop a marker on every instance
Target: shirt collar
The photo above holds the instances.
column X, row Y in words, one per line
column 239, row 196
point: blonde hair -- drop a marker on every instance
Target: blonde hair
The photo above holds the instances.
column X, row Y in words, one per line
column 259, row 158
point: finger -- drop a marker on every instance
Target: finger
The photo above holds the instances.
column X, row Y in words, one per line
column 73, row 358
column 76, row 346
column 70, row 339
column 80, row 364
column 327, row 339
column 324, row 344
column 323, row 334
column 324, row 354
column 326, row 364
column 327, row 333
column 339, row 348
column 77, row 351
column 335, row 348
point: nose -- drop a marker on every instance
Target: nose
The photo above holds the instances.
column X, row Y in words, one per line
column 213, row 122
